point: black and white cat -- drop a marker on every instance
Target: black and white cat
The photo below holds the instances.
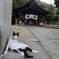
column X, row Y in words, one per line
column 21, row 48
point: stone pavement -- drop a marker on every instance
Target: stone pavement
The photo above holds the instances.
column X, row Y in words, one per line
column 27, row 37
column 49, row 38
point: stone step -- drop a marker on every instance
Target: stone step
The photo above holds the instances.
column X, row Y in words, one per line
column 11, row 55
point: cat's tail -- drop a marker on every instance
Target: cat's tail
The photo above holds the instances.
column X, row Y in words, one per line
column 34, row 51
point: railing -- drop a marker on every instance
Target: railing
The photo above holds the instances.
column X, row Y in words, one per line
column 52, row 26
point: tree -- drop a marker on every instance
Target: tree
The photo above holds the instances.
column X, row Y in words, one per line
column 55, row 18
column 19, row 3
column 43, row 4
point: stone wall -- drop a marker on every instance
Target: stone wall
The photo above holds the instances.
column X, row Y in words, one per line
column 5, row 22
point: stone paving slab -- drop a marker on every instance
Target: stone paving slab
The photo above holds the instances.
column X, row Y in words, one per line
column 27, row 37
column 49, row 38
column 37, row 46
column 24, row 32
column 11, row 55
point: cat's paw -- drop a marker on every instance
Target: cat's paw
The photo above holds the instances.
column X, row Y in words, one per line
column 35, row 51
column 5, row 52
column 22, row 54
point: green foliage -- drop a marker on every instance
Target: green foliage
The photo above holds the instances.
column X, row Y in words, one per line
column 43, row 4
column 57, row 12
column 55, row 18
column 19, row 3
column 49, row 18
column 50, row 8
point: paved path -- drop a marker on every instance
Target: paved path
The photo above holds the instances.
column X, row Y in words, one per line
column 49, row 38
column 27, row 37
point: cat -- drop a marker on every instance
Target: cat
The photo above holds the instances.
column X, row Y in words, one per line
column 21, row 48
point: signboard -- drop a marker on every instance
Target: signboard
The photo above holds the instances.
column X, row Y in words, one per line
column 31, row 16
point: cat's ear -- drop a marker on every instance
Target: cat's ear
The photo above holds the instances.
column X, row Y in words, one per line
column 13, row 32
column 18, row 34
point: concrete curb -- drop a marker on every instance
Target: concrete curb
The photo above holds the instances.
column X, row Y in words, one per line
column 11, row 56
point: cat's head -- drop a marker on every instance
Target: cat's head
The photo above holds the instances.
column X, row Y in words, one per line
column 15, row 35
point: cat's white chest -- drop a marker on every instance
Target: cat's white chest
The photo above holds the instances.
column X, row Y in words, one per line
column 16, row 45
